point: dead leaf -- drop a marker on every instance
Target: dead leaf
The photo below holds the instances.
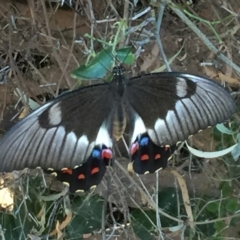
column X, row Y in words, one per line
column 185, row 196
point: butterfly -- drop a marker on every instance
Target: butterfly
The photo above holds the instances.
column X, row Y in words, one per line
column 73, row 136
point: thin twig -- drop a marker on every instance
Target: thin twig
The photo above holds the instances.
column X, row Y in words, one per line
column 138, row 15
column 158, row 25
column 150, row 201
column 48, row 35
column 203, row 37
column 157, row 213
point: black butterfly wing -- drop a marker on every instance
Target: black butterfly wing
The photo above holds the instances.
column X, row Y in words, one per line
column 89, row 174
column 148, row 157
column 64, row 133
column 169, row 107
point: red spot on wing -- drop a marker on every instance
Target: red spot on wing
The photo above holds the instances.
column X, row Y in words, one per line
column 134, row 148
column 81, row 176
column 107, row 154
column 157, row 156
column 95, row 170
column 144, row 157
column 68, row 171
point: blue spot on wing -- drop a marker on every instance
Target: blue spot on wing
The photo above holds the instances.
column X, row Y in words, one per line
column 144, row 141
column 96, row 153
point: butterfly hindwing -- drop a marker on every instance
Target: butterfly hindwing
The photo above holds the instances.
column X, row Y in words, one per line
column 147, row 157
column 88, row 175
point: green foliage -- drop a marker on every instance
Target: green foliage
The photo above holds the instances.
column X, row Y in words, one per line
column 87, row 216
column 36, row 216
column 102, row 63
column 104, row 60
column 144, row 221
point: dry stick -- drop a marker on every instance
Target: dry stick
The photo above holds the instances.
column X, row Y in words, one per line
column 9, row 73
column 126, row 17
column 117, row 182
column 138, row 15
column 32, row 9
column 70, row 55
column 150, row 201
column 4, row 102
column 92, row 20
column 186, row 199
column 230, row 217
column 15, row 68
column 93, row 27
column 109, row 2
column 159, row 224
column 43, row 79
column 203, row 37
column 34, row 25
column 159, row 42
column 48, row 36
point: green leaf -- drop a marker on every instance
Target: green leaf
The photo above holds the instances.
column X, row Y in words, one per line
column 143, row 223
column 97, row 69
column 232, row 205
column 214, row 154
column 236, row 152
column 125, row 55
column 219, row 226
column 9, row 227
column 226, row 189
column 103, row 63
column 213, row 207
column 168, row 201
column 223, row 129
column 88, row 216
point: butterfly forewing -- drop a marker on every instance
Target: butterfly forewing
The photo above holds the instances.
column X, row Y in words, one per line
column 174, row 106
column 60, row 134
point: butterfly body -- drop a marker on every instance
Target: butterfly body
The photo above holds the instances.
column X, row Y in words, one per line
column 75, row 133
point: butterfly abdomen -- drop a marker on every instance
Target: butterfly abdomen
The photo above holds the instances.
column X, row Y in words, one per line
column 119, row 122
column 118, row 114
